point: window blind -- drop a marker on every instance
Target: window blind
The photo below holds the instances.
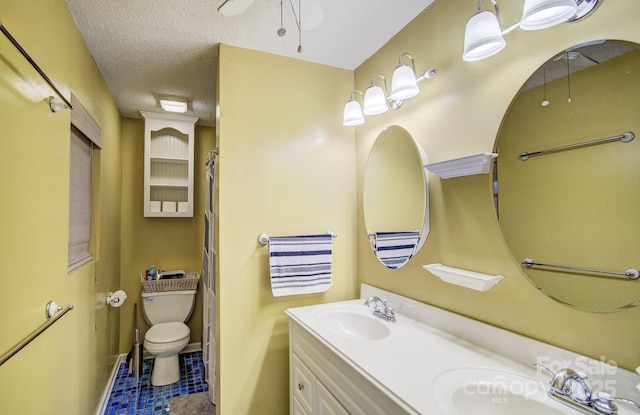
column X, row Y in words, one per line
column 79, row 200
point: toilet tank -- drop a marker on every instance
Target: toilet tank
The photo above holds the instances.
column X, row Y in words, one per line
column 168, row 306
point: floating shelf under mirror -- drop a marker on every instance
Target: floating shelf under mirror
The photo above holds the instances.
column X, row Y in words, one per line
column 464, row 166
column 464, row 278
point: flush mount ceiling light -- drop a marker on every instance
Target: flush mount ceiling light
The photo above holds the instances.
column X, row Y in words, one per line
column 377, row 100
column 170, row 105
column 484, row 36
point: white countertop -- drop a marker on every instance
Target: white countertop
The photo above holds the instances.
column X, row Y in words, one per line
column 408, row 362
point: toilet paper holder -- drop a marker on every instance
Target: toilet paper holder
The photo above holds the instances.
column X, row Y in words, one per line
column 115, row 299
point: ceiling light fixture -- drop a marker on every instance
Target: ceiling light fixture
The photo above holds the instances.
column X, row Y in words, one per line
column 484, row 37
column 170, row 105
column 377, row 100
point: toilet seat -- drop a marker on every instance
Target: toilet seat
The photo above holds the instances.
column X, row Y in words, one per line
column 167, row 332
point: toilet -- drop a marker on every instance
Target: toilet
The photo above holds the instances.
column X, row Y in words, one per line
column 167, row 312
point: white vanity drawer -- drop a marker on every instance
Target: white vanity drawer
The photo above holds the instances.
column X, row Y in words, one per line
column 303, row 385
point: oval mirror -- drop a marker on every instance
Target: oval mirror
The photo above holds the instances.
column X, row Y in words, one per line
column 396, row 197
column 568, row 176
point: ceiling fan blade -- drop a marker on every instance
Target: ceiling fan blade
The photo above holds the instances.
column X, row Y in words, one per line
column 311, row 13
column 234, row 7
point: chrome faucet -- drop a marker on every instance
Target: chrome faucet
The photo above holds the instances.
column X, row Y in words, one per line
column 571, row 388
column 381, row 309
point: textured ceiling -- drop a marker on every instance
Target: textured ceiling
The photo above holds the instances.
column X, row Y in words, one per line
column 579, row 57
column 147, row 49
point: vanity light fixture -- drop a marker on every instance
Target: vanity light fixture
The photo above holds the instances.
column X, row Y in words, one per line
column 353, row 111
column 170, row 105
column 404, row 83
column 540, row 14
column 484, row 37
column 377, row 100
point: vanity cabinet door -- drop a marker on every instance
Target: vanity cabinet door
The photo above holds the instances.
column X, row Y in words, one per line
column 297, row 408
column 303, row 385
column 326, row 403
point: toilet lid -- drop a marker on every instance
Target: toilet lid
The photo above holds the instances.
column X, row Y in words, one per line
column 167, row 332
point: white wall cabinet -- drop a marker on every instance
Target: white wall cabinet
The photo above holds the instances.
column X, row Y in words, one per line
column 322, row 383
column 168, row 164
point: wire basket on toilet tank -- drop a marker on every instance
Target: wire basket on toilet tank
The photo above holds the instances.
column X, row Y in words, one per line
column 187, row 282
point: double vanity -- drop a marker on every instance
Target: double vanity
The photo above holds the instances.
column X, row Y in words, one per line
column 345, row 360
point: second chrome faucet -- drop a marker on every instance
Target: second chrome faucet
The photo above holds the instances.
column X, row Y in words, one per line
column 570, row 388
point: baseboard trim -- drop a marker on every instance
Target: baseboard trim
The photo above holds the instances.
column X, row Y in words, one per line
column 190, row 348
column 104, row 399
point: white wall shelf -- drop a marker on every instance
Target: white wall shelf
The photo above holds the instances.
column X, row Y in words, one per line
column 464, row 278
column 168, row 164
column 464, row 166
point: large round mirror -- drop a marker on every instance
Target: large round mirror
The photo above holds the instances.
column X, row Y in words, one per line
column 568, row 176
column 396, row 197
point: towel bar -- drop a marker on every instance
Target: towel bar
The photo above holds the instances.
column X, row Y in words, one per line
column 631, row 273
column 624, row 137
column 263, row 238
column 51, row 311
column 35, row 66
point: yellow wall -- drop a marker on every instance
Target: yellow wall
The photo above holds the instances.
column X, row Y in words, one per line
column 167, row 243
column 458, row 113
column 65, row 370
column 286, row 167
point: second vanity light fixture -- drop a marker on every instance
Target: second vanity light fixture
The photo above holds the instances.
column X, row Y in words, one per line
column 404, row 85
column 484, row 37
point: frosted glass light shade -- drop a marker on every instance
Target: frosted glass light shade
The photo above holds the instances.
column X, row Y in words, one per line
column 173, row 106
column 403, row 83
column 375, row 102
column 540, row 14
column 352, row 114
column 483, row 37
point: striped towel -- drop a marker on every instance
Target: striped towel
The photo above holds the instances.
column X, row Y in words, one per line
column 394, row 249
column 300, row 264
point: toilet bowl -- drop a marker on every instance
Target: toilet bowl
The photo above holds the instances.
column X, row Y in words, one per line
column 168, row 335
column 164, row 341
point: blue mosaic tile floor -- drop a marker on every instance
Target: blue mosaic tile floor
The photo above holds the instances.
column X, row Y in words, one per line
column 131, row 396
